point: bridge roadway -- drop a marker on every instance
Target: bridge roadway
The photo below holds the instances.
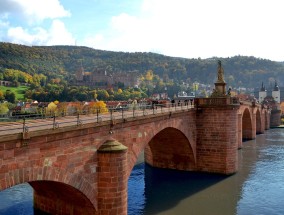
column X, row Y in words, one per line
column 7, row 128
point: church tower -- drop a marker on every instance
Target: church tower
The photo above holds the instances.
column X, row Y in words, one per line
column 262, row 93
column 276, row 93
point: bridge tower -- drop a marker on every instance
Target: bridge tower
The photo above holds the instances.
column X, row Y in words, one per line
column 262, row 93
column 276, row 93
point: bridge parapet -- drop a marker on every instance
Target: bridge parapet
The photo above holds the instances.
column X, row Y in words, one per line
column 219, row 101
column 251, row 103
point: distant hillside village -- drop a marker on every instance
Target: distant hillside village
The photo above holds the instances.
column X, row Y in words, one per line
column 104, row 79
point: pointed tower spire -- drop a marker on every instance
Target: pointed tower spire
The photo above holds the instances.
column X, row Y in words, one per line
column 262, row 87
column 262, row 93
column 276, row 88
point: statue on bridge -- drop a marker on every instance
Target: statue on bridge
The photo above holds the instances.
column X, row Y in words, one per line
column 220, row 85
column 220, row 72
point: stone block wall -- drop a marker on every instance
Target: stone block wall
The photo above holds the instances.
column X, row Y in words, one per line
column 217, row 139
column 275, row 118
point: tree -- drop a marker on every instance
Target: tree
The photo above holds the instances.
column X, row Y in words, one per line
column 119, row 91
column 230, row 80
column 102, row 95
column 51, row 108
column 3, row 108
column 2, row 97
column 149, row 75
column 10, row 96
column 101, row 106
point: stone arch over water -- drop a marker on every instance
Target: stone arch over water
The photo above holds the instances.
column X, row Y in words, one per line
column 55, row 189
column 170, row 149
column 258, row 122
column 247, row 127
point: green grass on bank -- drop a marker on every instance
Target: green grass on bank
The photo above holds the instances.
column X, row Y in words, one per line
column 19, row 91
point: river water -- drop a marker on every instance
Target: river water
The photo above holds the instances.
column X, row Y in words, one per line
column 257, row 188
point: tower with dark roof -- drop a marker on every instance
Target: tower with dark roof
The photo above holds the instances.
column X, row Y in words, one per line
column 276, row 92
column 262, row 93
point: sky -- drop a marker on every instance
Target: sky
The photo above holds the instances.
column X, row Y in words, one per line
column 178, row 28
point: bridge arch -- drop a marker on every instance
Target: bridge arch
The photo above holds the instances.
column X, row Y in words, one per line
column 247, row 128
column 266, row 119
column 138, row 136
column 258, row 122
column 163, row 151
column 55, row 189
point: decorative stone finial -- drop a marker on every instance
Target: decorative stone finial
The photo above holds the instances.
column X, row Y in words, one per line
column 112, row 145
column 220, row 73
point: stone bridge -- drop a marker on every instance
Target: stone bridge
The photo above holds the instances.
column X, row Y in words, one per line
column 84, row 168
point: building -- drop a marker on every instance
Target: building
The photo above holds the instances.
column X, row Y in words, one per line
column 262, row 93
column 275, row 93
column 101, row 78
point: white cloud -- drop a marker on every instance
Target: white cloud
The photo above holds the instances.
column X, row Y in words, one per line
column 56, row 35
column 202, row 28
column 185, row 28
column 59, row 35
column 33, row 11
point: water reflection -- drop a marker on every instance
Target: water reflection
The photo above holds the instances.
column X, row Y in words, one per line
column 263, row 191
column 257, row 188
column 17, row 200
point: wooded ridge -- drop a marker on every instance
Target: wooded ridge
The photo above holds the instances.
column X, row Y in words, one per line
column 63, row 62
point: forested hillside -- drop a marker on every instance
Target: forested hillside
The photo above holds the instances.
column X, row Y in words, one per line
column 63, row 61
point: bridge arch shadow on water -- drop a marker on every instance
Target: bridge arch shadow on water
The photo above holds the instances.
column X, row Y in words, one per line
column 154, row 190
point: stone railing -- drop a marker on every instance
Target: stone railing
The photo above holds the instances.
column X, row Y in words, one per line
column 218, row 101
column 112, row 116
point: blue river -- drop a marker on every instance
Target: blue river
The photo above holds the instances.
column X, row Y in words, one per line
column 257, row 188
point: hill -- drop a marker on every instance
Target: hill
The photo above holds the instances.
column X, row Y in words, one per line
column 63, row 61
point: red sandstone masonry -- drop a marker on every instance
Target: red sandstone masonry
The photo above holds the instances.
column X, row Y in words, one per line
column 275, row 118
column 68, row 156
column 217, row 139
column 112, row 179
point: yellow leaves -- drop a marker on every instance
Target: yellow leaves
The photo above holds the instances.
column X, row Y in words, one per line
column 195, row 86
column 119, row 91
column 149, row 75
column 3, row 108
column 51, row 107
column 101, row 106
column 1, row 95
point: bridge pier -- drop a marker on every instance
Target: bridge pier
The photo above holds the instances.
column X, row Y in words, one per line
column 240, row 132
column 112, row 178
column 217, row 135
column 275, row 118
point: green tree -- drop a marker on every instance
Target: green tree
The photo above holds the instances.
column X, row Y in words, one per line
column 10, row 96
column 102, row 95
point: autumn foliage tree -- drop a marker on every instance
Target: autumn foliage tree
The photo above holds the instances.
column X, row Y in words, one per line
column 3, row 108
column 2, row 97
